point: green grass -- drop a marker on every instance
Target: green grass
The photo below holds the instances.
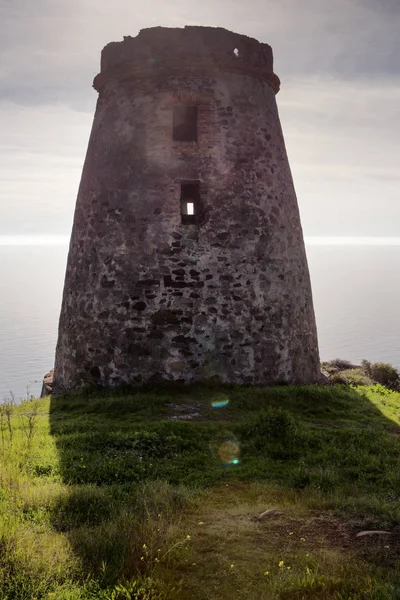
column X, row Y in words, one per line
column 107, row 496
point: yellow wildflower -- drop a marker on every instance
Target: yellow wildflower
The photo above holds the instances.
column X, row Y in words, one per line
column 188, row 537
column 266, row 572
column 281, row 563
column 291, row 533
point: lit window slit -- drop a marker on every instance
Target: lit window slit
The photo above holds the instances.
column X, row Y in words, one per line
column 190, row 199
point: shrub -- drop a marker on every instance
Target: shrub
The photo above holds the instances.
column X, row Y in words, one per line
column 383, row 373
column 352, row 377
column 341, row 363
column 366, row 366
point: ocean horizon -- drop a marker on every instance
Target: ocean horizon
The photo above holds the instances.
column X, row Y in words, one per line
column 356, row 293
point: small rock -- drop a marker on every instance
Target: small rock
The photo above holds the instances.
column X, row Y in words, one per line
column 271, row 512
column 325, row 377
column 186, row 417
column 366, row 533
column 185, row 412
column 47, row 386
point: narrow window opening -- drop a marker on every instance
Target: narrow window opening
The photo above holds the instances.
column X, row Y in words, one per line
column 184, row 127
column 190, row 203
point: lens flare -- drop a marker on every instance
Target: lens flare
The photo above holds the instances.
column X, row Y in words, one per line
column 220, row 402
column 229, row 453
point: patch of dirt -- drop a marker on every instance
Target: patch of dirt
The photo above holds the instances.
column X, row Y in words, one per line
column 314, row 532
column 318, row 531
column 231, row 509
column 294, row 538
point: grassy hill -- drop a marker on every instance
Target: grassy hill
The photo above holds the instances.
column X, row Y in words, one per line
column 156, row 495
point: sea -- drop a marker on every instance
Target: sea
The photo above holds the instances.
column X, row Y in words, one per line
column 356, row 292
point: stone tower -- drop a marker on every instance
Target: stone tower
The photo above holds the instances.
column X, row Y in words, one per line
column 187, row 258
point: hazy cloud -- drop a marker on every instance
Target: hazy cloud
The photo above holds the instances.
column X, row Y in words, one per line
column 50, row 50
column 41, row 156
column 339, row 103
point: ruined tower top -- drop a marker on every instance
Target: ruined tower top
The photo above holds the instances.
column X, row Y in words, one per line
column 185, row 51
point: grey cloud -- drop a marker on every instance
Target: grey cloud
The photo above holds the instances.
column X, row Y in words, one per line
column 339, row 104
column 344, row 154
column 50, row 49
column 388, row 7
column 42, row 150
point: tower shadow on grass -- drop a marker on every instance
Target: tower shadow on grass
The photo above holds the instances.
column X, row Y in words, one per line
column 132, row 463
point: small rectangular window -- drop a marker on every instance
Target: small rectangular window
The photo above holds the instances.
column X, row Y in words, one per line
column 190, row 203
column 184, row 128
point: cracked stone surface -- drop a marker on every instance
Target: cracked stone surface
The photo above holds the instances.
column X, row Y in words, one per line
column 150, row 298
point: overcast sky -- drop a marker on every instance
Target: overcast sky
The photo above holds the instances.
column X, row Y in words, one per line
column 338, row 60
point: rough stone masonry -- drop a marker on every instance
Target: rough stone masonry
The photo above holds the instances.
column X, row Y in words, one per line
column 187, row 259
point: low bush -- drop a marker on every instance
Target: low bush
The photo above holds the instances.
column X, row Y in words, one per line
column 337, row 365
column 352, row 377
column 383, row 373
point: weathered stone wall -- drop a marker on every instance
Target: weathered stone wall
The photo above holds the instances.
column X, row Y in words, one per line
column 148, row 298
